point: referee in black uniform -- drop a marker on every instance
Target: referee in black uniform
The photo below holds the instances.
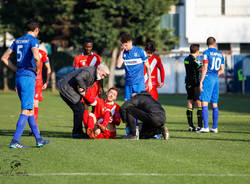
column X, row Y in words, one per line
column 192, row 81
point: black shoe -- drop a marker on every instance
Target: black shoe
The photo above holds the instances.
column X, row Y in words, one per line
column 132, row 137
column 192, row 129
column 198, row 128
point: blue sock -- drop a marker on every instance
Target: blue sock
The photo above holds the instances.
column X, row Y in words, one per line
column 33, row 126
column 21, row 122
column 215, row 117
column 127, row 130
column 205, row 115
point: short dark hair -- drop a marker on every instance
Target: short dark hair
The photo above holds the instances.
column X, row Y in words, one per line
column 31, row 25
column 210, row 41
column 114, row 88
column 87, row 40
column 194, row 48
column 150, row 46
column 125, row 38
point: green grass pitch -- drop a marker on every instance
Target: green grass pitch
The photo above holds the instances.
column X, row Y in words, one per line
column 185, row 158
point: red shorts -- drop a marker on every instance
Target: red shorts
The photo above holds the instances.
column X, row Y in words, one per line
column 154, row 92
column 106, row 135
column 39, row 90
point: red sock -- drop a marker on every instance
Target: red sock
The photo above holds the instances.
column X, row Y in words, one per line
column 91, row 123
column 85, row 118
column 36, row 109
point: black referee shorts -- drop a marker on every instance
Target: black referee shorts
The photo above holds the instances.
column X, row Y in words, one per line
column 193, row 92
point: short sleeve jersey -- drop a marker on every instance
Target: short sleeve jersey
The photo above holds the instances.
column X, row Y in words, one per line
column 134, row 65
column 155, row 64
column 192, row 71
column 86, row 60
column 214, row 59
column 102, row 107
column 25, row 59
column 43, row 59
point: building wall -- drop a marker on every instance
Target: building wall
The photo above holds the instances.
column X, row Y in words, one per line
column 200, row 19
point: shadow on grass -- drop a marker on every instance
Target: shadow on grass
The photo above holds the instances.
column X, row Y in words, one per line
column 211, row 139
column 69, row 135
column 43, row 133
column 227, row 132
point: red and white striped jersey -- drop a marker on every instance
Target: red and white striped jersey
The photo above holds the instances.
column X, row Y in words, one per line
column 155, row 64
column 103, row 112
column 86, row 60
column 43, row 59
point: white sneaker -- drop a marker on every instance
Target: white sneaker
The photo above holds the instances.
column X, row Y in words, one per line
column 203, row 130
column 214, row 130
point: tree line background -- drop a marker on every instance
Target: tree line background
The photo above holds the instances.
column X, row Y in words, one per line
column 66, row 23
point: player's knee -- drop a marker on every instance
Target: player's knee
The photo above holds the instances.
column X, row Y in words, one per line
column 97, row 131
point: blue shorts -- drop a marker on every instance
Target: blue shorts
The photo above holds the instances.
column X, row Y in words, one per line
column 130, row 89
column 25, row 86
column 210, row 92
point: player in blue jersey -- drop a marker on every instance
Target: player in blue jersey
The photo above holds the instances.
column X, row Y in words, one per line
column 134, row 58
column 28, row 65
column 213, row 67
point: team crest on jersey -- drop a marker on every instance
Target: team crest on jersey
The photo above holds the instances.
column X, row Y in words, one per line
column 124, row 55
column 135, row 54
column 83, row 62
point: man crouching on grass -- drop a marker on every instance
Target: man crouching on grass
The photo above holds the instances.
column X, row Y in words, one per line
column 102, row 122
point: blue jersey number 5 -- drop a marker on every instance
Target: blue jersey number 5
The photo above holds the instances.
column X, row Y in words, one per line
column 19, row 53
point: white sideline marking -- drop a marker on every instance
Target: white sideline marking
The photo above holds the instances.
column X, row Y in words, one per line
column 134, row 174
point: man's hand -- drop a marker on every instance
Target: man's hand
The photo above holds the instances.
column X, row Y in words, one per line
column 160, row 85
column 150, row 85
column 81, row 91
column 45, row 86
column 122, row 48
column 102, row 127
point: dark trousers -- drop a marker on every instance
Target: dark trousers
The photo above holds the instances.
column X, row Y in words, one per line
column 152, row 125
column 77, row 109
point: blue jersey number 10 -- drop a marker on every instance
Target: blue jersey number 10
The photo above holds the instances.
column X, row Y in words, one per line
column 216, row 63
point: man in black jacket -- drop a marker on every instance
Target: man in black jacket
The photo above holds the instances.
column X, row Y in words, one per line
column 73, row 86
column 143, row 107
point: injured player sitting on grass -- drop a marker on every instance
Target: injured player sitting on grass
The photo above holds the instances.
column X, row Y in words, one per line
column 102, row 121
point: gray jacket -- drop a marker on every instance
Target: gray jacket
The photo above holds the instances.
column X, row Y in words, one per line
column 83, row 77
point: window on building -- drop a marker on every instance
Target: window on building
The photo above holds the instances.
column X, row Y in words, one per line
column 223, row 7
column 224, row 46
column 245, row 48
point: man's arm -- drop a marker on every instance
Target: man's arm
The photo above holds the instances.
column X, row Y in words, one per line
column 47, row 65
column 146, row 63
column 6, row 61
column 162, row 73
column 203, row 74
column 221, row 71
column 119, row 61
column 82, row 77
column 35, row 52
